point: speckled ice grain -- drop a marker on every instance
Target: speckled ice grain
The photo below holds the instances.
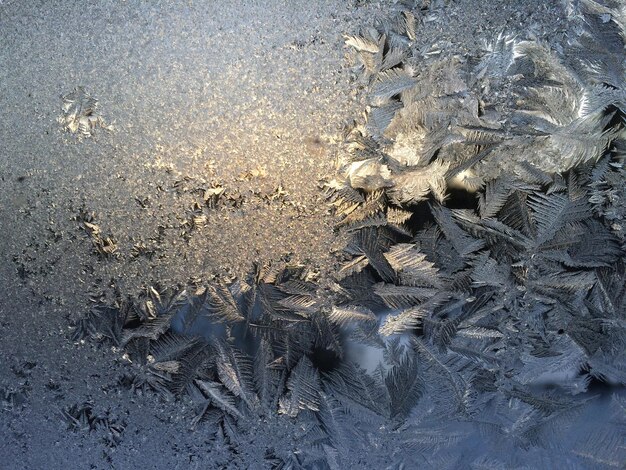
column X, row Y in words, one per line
column 207, row 89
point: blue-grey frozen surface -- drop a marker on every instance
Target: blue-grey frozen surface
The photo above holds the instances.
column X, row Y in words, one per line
column 151, row 153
